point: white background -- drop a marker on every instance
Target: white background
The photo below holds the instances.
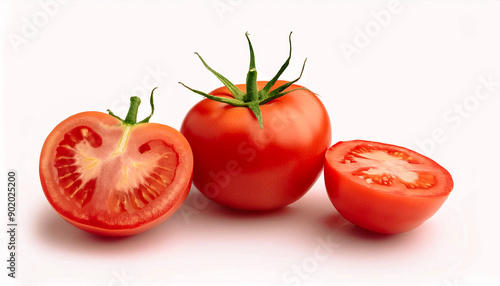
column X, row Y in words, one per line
column 416, row 71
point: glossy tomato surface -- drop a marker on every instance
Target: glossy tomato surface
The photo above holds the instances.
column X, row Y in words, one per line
column 382, row 187
column 114, row 179
column 240, row 165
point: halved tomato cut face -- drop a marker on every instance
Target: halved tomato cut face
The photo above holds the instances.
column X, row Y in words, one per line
column 395, row 170
column 383, row 187
column 112, row 178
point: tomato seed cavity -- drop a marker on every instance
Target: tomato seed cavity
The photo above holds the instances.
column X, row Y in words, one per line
column 146, row 180
column 138, row 183
column 69, row 174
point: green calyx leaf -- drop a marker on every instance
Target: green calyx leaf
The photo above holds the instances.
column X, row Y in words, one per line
column 131, row 118
column 253, row 97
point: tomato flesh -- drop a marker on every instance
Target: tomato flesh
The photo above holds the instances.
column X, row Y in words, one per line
column 382, row 187
column 70, row 163
column 388, row 167
column 136, row 183
column 115, row 179
column 142, row 182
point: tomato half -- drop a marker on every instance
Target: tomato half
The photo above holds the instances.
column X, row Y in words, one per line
column 112, row 177
column 258, row 145
column 382, row 187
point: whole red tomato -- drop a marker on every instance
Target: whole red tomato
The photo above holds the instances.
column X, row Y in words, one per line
column 382, row 187
column 115, row 177
column 259, row 145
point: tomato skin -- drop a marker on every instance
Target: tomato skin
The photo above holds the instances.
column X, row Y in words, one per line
column 240, row 165
column 382, row 212
column 110, row 128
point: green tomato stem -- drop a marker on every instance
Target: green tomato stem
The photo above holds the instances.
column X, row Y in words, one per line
column 253, row 97
column 251, row 83
column 131, row 118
